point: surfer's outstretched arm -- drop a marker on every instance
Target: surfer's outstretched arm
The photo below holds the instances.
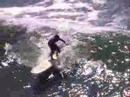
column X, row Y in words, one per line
column 62, row 40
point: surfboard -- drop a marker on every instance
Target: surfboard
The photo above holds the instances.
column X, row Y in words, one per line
column 44, row 65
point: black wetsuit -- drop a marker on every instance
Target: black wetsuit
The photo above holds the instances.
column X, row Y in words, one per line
column 53, row 46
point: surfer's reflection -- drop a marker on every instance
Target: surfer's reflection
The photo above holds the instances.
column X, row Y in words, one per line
column 43, row 82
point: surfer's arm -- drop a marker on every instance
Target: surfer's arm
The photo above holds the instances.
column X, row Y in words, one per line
column 62, row 40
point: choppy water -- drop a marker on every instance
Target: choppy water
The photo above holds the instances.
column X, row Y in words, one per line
column 16, row 80
column 68, row 18
column 69, row 14
column 84, row 78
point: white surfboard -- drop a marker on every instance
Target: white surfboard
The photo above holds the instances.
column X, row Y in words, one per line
column 44, row 65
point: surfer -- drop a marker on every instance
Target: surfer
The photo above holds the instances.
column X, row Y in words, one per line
column 53, row 46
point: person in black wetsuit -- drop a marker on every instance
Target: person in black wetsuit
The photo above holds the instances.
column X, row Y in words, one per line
column 53, row 46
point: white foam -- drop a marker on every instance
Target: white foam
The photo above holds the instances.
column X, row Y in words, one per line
column 27, row 86
column 5, row 64
column 31, row 16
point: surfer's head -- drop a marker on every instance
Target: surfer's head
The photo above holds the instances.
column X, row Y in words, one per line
column 56, row 37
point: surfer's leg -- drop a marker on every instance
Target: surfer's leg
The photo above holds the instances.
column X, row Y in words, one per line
column 57, row 50
column 51, row 54
column 52, row 48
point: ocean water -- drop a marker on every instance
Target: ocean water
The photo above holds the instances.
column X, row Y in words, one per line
column 76, row 21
